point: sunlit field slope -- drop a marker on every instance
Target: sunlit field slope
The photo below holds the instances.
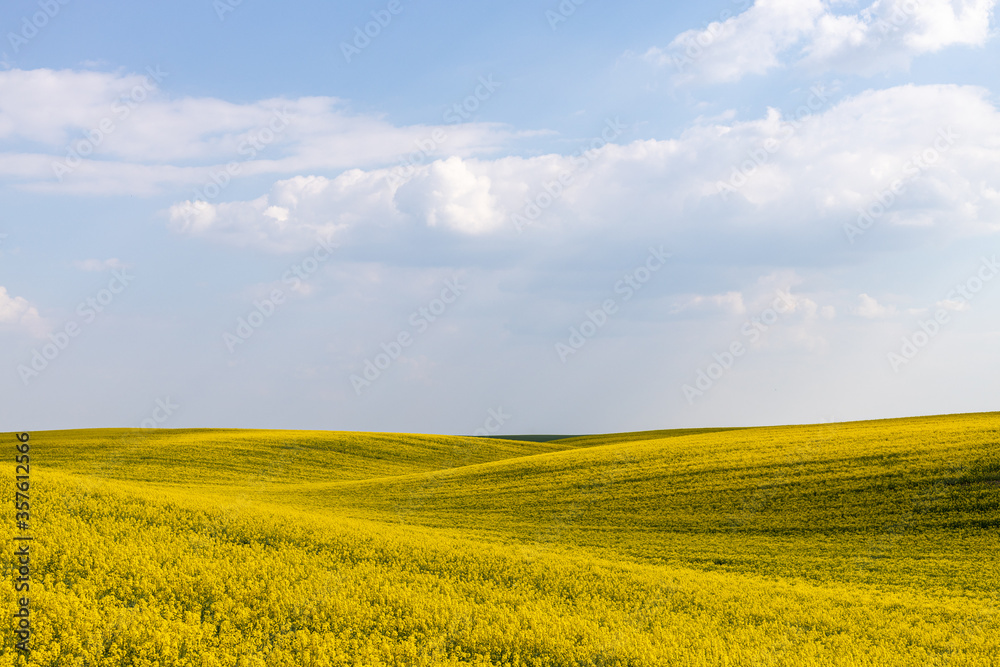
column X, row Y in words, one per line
column 868, row 543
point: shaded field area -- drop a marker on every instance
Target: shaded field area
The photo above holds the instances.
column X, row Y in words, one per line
column 866, row 543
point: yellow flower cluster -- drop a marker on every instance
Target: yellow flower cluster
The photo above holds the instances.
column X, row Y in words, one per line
column 856, row 544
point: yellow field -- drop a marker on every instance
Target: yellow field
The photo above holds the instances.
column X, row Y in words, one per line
column 868, row 543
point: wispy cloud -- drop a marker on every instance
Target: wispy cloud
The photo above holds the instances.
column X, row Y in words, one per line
column 80, row 132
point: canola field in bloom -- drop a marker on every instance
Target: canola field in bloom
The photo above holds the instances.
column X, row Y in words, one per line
column 866, row 543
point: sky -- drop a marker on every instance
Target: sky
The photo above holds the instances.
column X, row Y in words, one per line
column 497, row 217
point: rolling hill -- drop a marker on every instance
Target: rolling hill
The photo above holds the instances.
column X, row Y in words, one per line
column 865, row 543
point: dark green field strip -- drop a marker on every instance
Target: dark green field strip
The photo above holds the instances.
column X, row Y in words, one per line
column 530, row 438
column 204, row 576
column 849, row 496
column 658, row 481
column 636, row 436
column 752, row 488
column 594, row 440
column 241, row 457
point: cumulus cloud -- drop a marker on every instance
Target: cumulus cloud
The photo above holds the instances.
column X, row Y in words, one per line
column 17, row 313
column 938, row 146
column 450, row 193
column 884, row 36
column 890, row 33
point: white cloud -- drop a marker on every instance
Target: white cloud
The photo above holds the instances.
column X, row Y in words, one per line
column 890, row 33
column 884, row 36
column 294, row 213
column 869, row 307
column 45, row 105
column 954, row 304
column 784, row 317
column 451, row 194
column 748, row 43
column 821, row 170
column 17, row 312
column 731, row 302
column 87, row 133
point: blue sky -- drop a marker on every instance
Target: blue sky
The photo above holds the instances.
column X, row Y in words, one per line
column 497, row 217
